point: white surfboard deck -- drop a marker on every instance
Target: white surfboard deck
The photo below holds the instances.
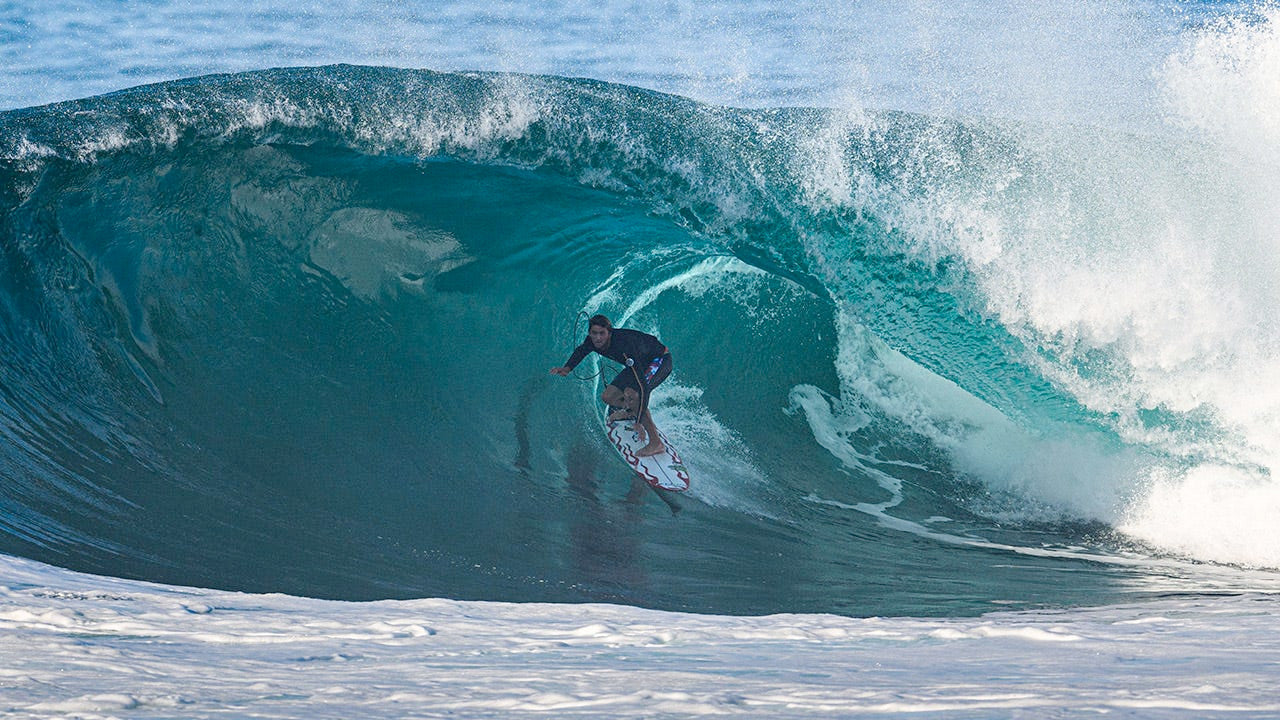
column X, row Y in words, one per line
column 663, row 471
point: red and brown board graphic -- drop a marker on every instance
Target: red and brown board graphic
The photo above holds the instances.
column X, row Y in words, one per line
column 664, row 471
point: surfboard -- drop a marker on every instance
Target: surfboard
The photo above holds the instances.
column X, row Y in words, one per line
column 663, row 471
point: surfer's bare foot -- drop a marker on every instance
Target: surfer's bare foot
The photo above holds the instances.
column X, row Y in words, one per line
column 652, row 448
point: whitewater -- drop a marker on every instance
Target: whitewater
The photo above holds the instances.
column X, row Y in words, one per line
column 971, row 309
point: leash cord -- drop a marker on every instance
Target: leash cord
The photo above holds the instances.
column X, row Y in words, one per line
column 643, row 406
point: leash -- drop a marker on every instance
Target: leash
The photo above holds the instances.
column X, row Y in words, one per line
column 644, row 405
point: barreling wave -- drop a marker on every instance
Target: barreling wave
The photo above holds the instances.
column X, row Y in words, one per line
column 289, row 330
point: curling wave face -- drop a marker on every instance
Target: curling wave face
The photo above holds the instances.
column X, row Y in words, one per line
column 288, row 330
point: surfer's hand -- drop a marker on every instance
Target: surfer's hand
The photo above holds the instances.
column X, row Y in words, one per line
column 561, row 371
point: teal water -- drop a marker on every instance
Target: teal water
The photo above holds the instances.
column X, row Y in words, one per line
column 289, row 330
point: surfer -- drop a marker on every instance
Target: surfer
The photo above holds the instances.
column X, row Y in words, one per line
column 646, row 363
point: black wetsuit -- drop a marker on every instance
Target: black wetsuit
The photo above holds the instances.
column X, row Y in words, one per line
column 652, row 360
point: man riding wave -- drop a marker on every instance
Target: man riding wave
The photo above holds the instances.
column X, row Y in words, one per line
column 646, row 363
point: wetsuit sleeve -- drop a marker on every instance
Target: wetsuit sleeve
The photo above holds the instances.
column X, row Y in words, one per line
column 579, row 352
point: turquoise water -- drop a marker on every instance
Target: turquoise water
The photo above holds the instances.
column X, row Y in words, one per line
column 288, row 330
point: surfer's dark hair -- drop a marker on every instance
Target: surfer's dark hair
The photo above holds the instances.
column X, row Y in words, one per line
column 601, row 321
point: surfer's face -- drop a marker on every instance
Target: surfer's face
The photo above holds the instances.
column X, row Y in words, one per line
column 599, row 336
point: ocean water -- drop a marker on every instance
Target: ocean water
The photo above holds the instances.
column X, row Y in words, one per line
column 970, row 305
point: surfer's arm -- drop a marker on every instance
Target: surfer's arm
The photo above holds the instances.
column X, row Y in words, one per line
column 578, row 353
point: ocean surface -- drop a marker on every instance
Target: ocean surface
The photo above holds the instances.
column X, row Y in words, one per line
column 971, row 306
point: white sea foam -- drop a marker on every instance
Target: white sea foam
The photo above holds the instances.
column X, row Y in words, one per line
column 1140, row 268
column 1176, row 279
column 1220, row 512
column 1075, row 474
column 1224, row 82
column 75, row 645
